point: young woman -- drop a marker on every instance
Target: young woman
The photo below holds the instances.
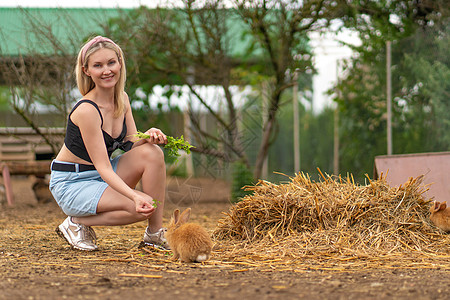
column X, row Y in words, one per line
column 91, row 187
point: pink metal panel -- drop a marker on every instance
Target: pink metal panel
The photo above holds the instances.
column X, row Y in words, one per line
column 434, row 166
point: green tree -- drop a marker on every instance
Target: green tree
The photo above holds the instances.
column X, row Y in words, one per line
column 198, row 45
column 279, row 30
column 419, row 33
column 190, row 47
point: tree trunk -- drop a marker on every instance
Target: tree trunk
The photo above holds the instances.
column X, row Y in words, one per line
column 268, row 129
column 264, row 146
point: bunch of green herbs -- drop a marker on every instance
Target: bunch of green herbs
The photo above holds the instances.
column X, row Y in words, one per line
column 172, row 146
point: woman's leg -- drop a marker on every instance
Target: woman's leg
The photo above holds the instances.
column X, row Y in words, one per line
column 144, row 162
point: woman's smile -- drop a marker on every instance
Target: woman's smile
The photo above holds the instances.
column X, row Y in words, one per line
column 109, row 77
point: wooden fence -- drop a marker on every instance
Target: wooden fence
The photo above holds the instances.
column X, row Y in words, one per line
column 24, row 152
column 24, row 144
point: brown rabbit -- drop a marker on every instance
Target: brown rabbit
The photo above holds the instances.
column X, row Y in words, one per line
column 440, row 215
column 189, row 242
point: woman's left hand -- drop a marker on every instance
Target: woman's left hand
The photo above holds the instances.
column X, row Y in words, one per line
column 156, row 136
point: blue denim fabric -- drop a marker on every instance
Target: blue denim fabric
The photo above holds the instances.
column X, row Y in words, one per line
column 78, row 193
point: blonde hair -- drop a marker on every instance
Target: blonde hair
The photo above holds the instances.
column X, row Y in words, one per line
column 86, row 84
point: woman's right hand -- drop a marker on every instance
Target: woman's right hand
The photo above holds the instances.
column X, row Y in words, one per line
column 144, row 204
column 156, row 136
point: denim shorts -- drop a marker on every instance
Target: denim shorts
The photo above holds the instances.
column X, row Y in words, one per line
column 78, row 193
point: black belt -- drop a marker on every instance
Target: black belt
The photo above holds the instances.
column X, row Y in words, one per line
column 71, row 167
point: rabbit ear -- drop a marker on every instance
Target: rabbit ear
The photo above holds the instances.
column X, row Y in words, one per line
column 436, row 206
column 443, row 206
column 185, row 215
column 176, row 215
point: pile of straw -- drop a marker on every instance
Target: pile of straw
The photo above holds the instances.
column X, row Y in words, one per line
column 334, row 215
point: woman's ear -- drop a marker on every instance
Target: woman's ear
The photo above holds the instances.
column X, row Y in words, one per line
column 86, row 72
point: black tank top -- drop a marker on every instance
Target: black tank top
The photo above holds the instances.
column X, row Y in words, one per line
column 75, row 143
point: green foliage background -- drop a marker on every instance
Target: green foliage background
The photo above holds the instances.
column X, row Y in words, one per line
column 420, row 73
column 421, row 90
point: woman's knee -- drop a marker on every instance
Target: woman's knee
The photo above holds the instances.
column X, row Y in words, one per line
column 138, row 218
column 153, row 153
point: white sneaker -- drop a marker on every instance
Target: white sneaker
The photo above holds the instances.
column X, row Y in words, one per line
column 79, row 236
column 156, row 239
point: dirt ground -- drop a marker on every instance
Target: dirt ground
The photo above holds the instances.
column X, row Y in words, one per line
column 36, row 264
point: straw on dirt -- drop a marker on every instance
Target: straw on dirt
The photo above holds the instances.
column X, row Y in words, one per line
column 333, row 218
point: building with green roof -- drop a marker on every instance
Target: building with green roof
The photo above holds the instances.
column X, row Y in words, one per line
column 49, row 30
column 26, row 33
column 25, row 30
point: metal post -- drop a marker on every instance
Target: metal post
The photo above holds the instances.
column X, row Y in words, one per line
column 265, row 117
column 336, row 130
column 296, row 124
column 389, row 97
column 187, row 137
column 336, row 142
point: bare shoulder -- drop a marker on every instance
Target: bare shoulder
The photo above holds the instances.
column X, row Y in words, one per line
column 126, row 101
column 85, row 111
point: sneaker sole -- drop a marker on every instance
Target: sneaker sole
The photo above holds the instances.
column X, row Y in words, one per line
column 62, row 234
column 159, row 247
